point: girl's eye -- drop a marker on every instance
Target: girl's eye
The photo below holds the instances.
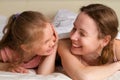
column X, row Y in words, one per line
column 46, row 41
column 50, row 39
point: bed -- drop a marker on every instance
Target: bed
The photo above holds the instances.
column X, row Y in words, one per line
column 32, row 76
column 63, row 21
column 53, row 76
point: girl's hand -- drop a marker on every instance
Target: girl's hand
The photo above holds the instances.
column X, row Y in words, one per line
column 18, row 69
column 47, row 66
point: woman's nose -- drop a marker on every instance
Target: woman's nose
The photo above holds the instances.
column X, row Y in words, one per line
column 74, row 36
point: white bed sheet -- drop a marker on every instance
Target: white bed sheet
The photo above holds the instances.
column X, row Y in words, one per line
column 53, row 76
column 18, row 76
column 115, row 76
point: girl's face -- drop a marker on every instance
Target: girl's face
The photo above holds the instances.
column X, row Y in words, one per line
column 84, row 36
column 45, row 44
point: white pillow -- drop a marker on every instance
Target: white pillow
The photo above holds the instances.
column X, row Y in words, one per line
column 118, row 35
column 63, row 22
column 3, row 21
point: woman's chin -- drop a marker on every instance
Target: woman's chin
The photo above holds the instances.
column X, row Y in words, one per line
column 74, row 51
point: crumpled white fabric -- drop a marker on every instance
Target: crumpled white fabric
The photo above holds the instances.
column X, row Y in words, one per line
column 118, row 35
column 63, row 22
column 18, row 76
column 3, row 20
column 115, row 76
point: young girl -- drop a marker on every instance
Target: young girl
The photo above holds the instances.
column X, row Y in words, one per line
column 29, row 42
column 93, row 52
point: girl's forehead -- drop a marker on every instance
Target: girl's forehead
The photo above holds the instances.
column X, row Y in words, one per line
column 47, row 31
column 42, row 31
column 48, row 28
column 41, row 38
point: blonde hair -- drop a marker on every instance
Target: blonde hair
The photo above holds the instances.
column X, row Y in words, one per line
column 22, row 29
column 107, row 24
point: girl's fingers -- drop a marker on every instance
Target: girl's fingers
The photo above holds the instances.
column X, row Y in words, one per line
column 20, row 70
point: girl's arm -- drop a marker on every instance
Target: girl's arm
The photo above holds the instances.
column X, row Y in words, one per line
column 77, row 71
column 4, row 66
column 48, row 64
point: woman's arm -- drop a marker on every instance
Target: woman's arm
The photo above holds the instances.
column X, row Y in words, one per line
column 48, row 64
column 77, row 71
column 117, row 48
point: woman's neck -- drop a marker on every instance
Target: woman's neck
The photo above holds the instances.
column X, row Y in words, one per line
column 90, row 59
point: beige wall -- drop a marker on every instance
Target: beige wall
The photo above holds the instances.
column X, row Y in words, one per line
column 50, row 7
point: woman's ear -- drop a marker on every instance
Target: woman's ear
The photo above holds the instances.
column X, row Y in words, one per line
column 106, row 40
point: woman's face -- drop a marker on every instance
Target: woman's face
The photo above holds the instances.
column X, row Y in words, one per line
column 84, row 36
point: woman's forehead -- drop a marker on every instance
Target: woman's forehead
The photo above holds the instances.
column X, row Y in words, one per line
column 85, row 23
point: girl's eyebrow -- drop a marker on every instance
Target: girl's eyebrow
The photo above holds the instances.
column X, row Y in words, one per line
column 47, row 40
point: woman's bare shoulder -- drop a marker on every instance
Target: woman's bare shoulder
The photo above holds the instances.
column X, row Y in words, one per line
column 65, row 41
column 117, row 48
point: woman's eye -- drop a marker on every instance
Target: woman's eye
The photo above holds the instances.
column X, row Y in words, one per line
column 82, row 34
column 73, row 30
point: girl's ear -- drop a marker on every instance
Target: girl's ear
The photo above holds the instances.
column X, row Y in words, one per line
column 25, row 48
column 56, row 35
column 106, row 40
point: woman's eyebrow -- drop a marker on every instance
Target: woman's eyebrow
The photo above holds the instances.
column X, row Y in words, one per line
column 74, row 24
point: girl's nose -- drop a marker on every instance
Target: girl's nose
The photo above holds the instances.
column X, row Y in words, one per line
column 53, row 41
column 52, row 44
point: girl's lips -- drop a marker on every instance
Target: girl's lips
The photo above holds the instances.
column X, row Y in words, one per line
column 51, row 49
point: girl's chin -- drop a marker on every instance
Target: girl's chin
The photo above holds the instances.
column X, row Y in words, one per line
column 46, row 54
column 49, row 52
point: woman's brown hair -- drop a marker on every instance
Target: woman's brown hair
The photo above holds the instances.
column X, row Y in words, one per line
column 107, row 24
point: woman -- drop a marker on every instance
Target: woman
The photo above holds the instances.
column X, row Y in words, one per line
column 92, row 45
